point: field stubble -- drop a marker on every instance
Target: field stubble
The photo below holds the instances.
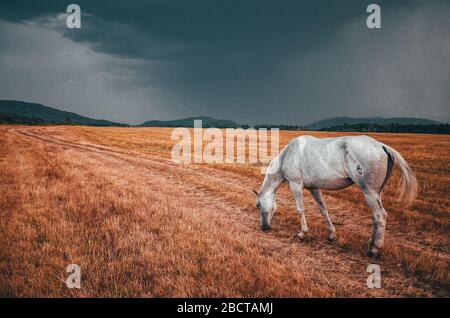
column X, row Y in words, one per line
column 112, row 201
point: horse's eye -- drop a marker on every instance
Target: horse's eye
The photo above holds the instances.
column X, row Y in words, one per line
column 258, row 205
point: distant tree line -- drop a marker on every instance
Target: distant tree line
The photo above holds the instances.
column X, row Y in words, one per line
column 23, row 120
column 281, row 127
column 393, row 128
column 14, row 119
column 368, row 127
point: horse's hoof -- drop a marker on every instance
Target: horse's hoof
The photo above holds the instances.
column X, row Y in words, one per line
column 373, row 252
column 301, row 235
column 332, row 238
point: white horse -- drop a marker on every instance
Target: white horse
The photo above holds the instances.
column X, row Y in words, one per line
column 333, row 164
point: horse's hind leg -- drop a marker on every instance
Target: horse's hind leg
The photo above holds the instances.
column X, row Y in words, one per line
column 317, row 195
column 373, row 200
column 297, row 190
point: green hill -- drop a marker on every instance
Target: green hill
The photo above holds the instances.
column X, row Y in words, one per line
column 18, row 112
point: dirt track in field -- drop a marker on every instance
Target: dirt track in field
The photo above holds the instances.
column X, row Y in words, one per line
column 195, row 232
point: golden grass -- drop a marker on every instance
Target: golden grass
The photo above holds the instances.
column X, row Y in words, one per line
column 111, row 200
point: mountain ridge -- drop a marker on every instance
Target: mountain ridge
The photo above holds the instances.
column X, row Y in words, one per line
column 20, row 112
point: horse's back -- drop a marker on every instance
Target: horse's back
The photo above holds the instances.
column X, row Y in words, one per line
column 334, row 163
column 316, row 162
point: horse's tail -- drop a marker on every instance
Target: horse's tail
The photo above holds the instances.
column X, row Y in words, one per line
column 408, row 182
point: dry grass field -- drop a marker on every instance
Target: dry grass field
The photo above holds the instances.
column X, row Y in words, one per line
column 112, row 201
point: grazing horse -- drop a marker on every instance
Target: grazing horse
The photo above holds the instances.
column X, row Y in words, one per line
column 333, row 164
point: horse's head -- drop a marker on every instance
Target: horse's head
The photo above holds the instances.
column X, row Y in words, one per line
column 267, row 206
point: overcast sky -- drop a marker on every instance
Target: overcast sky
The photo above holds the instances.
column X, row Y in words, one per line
column 253, row 61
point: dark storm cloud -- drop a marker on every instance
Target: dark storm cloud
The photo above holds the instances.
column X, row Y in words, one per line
column 198, row 30
column 257, row 61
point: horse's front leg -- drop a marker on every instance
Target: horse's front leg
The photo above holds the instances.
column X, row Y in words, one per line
column 317, row 195
column 297, row 190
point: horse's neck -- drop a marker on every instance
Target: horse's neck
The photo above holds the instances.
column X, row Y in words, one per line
column 273, row 179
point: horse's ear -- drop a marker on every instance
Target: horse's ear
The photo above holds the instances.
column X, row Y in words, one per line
column 255, row 192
